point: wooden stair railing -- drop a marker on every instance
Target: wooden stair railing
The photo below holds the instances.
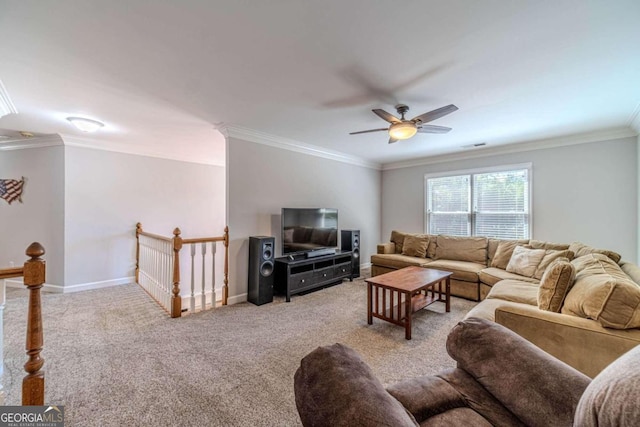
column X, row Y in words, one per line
column 158, row 268
column 33, row 273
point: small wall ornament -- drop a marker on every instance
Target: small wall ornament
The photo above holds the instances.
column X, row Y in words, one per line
column 11, row 189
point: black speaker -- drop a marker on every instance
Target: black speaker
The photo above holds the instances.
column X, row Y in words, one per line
column 350, row 241
column 261, row 266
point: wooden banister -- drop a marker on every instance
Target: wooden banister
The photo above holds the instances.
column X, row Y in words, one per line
column 34, row 277
column 8, row 273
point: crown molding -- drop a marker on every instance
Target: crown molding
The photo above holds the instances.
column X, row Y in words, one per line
column 234, row 131
column 133, row 149
column 35, row 142
column 634, row 120
column 564, row 141
column 6, row 105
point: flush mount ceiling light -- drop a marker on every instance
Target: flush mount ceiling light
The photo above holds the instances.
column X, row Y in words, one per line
column 85, row 125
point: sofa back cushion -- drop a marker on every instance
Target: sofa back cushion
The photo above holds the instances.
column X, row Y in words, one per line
column 603, row 292
column 539, row 244
column 472, row 249
column 580, row 249
column 503, row 252
column 397, row 237
column 555, row 283
column 525, row 261
column 550, row 256
column 415, row 245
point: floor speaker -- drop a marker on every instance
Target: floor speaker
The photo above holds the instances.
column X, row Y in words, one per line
column 350, row 241
column 261, row 266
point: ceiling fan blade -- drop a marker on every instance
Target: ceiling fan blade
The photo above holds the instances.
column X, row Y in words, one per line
column 435, row 114
column 367, row 131
column 433, row 129
column 386, row 116
column 392, row 140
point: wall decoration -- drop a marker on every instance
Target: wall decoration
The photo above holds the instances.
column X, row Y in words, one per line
column 11, row 189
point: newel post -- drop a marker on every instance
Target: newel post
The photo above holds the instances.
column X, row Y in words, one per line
column 225, row 288
column 34, row 276
column 138, row 231
column 176, row 300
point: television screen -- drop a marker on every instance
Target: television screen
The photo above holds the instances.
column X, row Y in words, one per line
column 306, row 229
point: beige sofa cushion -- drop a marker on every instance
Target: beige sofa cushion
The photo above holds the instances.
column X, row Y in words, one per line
column 580, row 249
column 504, row 251
column 397, row 261
column 539, row 244
column 515, row 291
column 397, row 237
column 555, row 283
column 631, row 270
column 433, row 243
column 603, row 292
column 472, row 249
column 462, row 270
column 487, row 308
column 493, row 275
column 524, row 261
column 550, row 256
column 415, row 245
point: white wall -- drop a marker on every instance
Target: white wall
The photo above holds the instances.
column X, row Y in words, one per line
column 263, row 179
column 41, row 215
column 107, row 193
column 585, row 192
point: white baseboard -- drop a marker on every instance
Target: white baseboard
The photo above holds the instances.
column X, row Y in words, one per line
column 186, row 299
column 365, row 265
column 18, row 283
column 237, row 299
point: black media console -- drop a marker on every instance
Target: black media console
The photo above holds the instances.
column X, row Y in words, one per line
column 301, row 274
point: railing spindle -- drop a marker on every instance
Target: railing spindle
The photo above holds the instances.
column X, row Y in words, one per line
column 193, row 283
column 213, row 274
column 225, row 288
column 203, row 297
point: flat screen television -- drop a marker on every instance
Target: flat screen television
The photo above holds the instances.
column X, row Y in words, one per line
column 308, row 229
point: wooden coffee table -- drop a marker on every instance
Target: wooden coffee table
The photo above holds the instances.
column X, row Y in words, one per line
column 395, row 296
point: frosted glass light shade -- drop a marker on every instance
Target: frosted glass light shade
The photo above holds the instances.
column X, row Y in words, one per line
column 402, row 130
column 85, row 125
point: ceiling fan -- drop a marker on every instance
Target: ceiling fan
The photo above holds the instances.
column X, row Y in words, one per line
column 404, row 129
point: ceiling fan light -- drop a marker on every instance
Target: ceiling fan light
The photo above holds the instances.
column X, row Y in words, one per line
column 85, row 125
column 402, row 130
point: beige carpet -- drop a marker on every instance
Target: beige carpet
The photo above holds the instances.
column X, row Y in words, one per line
column 114, row 358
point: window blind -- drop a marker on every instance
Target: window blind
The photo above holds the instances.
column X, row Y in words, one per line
column 491, row 204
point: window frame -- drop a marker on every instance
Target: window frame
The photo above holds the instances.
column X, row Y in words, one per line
column 471, row 172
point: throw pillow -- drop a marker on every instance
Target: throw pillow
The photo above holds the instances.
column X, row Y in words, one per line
column 415, row 245
column 580, row 249
column 504, row 251
column 397, row 237
column 556, row 281
column 524, row 261
column 603, row 292
column 550, row 256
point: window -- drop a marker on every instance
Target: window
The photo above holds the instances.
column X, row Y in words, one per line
column 492, row 203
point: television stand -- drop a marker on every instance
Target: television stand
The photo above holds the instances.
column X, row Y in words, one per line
column 301, row 275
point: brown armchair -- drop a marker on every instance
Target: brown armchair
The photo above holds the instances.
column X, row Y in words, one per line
column 501, row 379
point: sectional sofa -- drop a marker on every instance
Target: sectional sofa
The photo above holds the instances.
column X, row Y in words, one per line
column 578, row 303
